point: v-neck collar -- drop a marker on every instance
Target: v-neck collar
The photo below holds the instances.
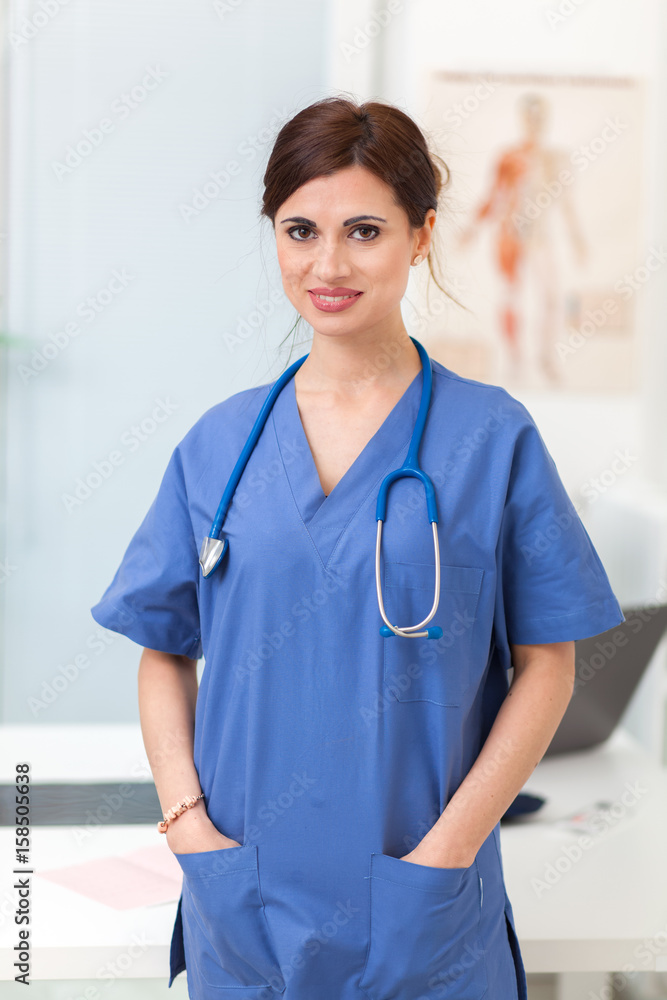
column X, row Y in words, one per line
column 326, row 517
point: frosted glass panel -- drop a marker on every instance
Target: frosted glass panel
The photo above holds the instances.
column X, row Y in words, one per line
column 137, row 266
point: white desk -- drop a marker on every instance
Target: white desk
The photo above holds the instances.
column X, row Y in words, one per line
column 607, row 909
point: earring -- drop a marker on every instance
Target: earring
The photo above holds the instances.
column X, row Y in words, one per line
column 417, row 260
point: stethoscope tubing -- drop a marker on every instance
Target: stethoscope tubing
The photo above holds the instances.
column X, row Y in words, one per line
column 248, row 447
column 411, row 469
column 214, row 548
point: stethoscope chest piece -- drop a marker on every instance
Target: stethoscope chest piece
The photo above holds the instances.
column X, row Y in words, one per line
column 213, row 548
column 211, row 554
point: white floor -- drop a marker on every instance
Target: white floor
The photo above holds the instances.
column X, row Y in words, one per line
column 581, row 986
column 592, row 986
column 94, row 989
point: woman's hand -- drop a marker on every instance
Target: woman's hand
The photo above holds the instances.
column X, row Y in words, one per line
column 193, row 832
column 424, row 854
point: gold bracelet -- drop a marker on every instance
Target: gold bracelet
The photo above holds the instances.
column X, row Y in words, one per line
column 188, row 802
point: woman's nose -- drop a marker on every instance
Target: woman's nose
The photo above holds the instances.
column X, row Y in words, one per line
column 331, row 261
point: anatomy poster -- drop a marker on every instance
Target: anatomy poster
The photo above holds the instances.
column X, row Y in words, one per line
column 539, row 230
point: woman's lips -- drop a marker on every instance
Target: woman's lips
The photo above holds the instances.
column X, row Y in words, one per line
column 321, row 302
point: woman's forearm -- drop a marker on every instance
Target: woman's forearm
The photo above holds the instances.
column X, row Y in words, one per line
column 167, row 698
column 522, row 730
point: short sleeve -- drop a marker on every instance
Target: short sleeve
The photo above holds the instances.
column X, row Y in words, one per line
column 554, row 586
column 152, row 599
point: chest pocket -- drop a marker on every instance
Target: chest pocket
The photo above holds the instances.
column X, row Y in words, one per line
column 435, row 670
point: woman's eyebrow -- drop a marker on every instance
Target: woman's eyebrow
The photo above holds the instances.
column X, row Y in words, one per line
column 347, row 222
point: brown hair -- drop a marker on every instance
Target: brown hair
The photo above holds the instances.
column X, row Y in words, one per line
column 335, row 133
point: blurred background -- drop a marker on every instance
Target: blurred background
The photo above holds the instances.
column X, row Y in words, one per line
column 139, row 286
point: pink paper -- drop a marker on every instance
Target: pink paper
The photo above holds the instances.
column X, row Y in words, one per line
column 142, row 877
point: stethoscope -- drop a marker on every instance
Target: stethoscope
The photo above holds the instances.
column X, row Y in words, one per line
column 214, row 548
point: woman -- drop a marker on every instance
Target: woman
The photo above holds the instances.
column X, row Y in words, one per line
column 347, row 842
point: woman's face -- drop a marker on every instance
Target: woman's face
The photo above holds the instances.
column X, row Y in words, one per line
column 343, row 235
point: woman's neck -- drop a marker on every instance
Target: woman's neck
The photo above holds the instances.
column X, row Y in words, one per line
column 351, row 366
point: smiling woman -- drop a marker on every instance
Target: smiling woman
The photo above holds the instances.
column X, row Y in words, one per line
column 347, row 845
column 377, row 249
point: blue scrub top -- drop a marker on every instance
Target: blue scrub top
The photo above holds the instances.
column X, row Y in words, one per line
column 324, row 749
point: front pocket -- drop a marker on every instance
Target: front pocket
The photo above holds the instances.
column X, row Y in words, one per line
column 435, row 670
column 423, row 939
column 224, row 918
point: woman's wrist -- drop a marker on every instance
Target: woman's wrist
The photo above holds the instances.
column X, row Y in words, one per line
column 195, row 829
column 194, row 819
column 177, row 810
column 194, row 815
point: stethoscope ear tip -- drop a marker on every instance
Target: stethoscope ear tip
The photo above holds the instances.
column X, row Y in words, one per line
column 212, row 553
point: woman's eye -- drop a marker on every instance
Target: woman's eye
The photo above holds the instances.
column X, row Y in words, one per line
column 373, row 230
column 298, row 229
